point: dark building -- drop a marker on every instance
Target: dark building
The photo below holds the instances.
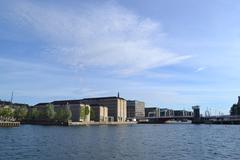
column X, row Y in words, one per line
column 235, row 109
column 152, row 112
column 196, row 113
column 135, row 109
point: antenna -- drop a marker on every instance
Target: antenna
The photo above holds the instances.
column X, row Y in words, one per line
column 118, row 94
column 11, row 98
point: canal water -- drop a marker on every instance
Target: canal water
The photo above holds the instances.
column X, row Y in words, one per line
column 132, row 142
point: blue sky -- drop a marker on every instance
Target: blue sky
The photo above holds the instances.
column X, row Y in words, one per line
column 167, row 53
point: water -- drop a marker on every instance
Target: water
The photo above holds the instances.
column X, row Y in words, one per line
column 134, row 142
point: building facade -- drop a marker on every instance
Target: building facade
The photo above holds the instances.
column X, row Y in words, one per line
column 117, row 106
column 99, row 113
column 135, row 109
column 152, row 112
column 165, row 112
column 80, row 112
column 182, row 113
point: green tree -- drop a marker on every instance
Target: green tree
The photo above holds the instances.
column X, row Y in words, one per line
column 33, row 114
column 6, row 113
column 84, row 111
column 20, row 113
column 63, row 114
column 48, row 113
column 93, row 115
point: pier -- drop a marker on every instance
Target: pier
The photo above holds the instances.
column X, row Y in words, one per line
column 9, row 124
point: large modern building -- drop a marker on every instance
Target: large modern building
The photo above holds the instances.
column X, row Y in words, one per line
column 117, row 106
column 135, row 109
column 235, row 109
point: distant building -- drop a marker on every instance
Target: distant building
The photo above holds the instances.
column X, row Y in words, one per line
column 117, row 106
column 235, row 109
column 135, row 109
column 152, row 112
column 182, row 113
column 99, row 113
column 165, row 112
column 8, row 103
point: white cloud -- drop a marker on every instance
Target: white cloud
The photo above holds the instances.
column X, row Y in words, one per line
column 200, row 69
column 101, row 36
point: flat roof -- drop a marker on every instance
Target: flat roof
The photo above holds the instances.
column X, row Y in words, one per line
column 98, row 98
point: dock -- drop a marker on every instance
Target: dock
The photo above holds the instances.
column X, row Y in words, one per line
column 9, row 124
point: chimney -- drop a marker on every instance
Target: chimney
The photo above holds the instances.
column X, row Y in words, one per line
column 238, row 100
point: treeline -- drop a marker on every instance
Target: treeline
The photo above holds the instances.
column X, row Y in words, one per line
column 25, row 113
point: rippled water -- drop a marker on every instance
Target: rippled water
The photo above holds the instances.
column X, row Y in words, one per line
column 133, row 142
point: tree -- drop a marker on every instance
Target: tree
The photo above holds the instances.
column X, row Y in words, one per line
column 93, row 115
column 6, row 113
column 48, row 113
column 63, row 114
column 20, row 113
column 84, row 111
column 33, row 114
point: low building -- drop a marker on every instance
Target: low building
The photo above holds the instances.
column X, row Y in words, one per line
column 99, row 113
column 117, row 106
column 152, row 112
column 80, row 112
column 135, row 109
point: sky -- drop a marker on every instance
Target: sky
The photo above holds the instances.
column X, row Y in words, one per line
column 172, row 54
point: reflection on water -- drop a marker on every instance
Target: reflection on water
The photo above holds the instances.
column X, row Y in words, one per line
column 133, row 142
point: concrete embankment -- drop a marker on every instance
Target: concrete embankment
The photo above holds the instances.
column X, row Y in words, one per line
column 99, row 123
column 9, row 124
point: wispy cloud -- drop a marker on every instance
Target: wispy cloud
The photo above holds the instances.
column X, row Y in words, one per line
column 103, row 36
column 200, row 69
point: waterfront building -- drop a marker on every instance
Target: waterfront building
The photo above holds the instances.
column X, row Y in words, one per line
column 165, row 112
column 117, row 106
column 152, row 112
column 182, row 113
column 235, row 109
column 135, row 109
column 99, row 113
column 75, row 106
column 80, row 112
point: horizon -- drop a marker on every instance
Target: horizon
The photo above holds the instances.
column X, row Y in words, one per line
column 169, row 54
